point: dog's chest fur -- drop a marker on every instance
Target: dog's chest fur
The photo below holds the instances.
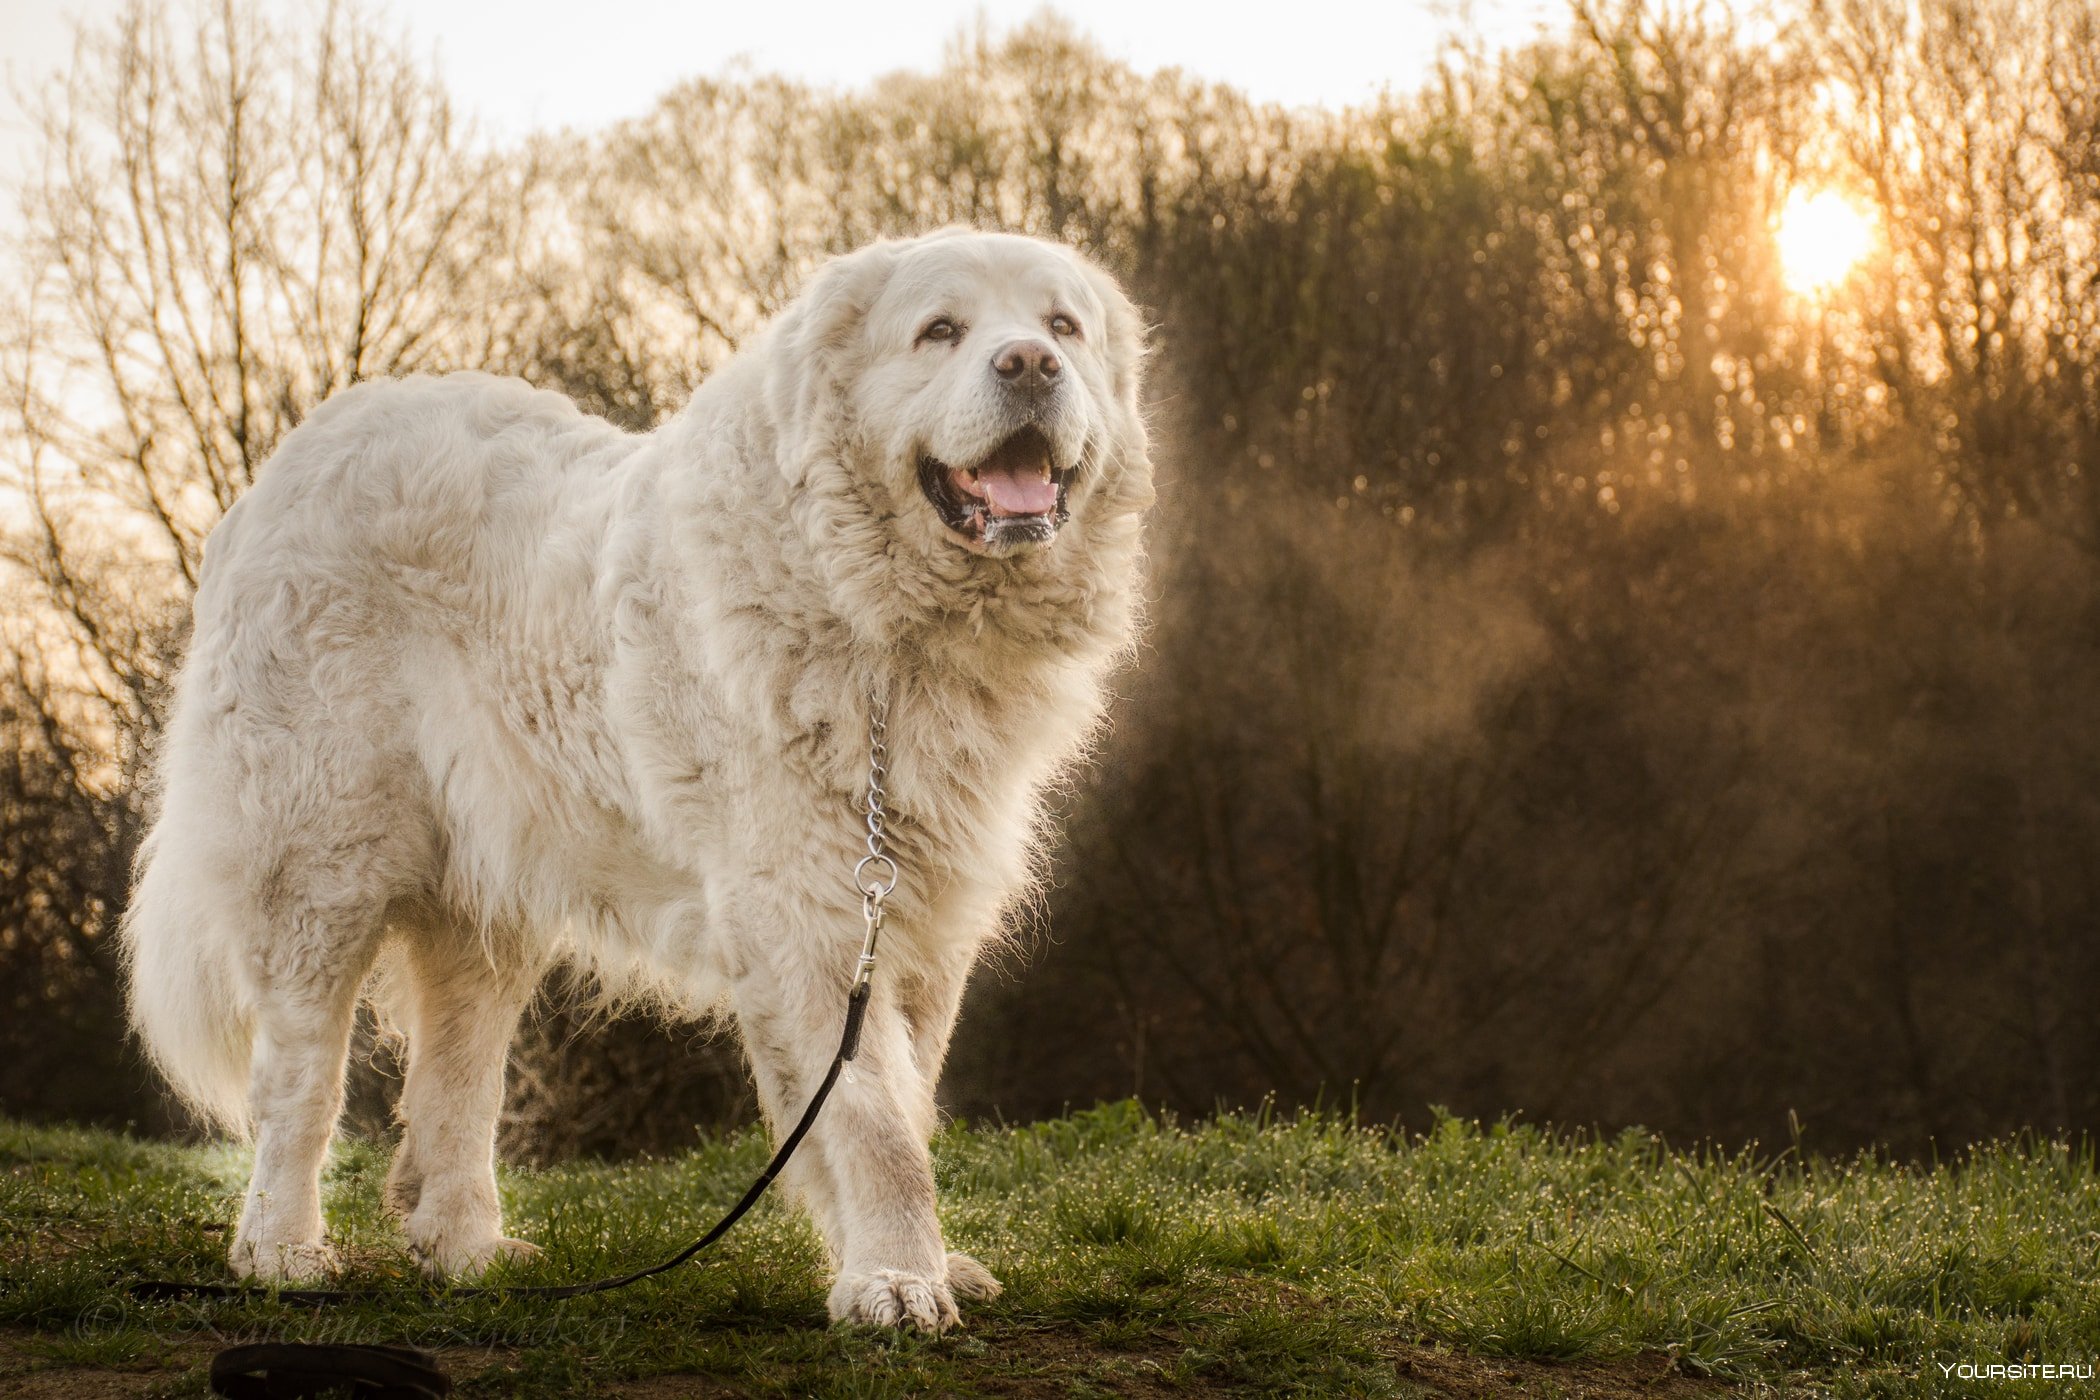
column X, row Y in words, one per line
column 749, row 758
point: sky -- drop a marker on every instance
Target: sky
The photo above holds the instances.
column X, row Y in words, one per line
column 526, row 64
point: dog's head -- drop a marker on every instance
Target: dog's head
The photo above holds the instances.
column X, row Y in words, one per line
column 967, row 405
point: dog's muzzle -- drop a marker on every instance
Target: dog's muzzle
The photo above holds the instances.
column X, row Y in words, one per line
column 1013, row 499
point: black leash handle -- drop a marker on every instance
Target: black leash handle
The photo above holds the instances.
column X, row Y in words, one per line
column 295, row 1370
column 164, row 1290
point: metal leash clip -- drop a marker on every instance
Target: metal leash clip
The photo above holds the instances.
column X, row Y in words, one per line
column 874, row 874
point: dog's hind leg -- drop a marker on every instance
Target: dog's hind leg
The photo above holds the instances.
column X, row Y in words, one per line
column 785, row 1082
column 459, row 1003
column 307, row 974
column 931, row 1001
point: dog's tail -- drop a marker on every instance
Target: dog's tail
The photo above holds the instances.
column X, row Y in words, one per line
column 188, row 1003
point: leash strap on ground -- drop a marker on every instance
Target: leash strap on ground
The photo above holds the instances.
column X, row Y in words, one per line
column 293, row 1371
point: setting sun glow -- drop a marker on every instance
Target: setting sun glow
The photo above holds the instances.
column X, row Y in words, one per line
column 1821, row 235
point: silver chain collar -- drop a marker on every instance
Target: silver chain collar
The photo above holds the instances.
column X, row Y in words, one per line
column 875, row 874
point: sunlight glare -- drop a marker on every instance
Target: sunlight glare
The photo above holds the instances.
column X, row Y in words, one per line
column 1821, row 236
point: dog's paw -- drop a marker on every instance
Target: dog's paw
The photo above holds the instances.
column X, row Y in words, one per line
column 283, row 1261
column 892, row 1298
column 971, row 1280
column 468, row 1258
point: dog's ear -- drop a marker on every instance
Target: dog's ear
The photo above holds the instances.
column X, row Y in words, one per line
column 1125, row 340
column 1125, row 346
column 818, row 352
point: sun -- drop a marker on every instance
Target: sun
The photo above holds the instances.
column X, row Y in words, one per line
column 1822, row 235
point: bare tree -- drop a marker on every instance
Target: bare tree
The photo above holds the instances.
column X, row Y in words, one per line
column 231, row 221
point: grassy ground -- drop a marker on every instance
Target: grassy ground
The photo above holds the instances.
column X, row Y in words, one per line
column 1236, row 1256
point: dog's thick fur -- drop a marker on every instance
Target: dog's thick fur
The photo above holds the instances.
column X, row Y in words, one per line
column 479, row 684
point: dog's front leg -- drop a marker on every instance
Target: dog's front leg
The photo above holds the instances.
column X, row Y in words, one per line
column 864, row 1169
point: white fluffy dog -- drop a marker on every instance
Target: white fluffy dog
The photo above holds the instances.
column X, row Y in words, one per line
column 479, row 684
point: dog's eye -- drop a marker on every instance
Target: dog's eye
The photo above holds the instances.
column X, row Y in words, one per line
column 941, row 328
column 1061, row 324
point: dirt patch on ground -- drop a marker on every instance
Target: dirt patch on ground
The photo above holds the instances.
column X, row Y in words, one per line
column 1452, row 1376
column 1017, row 1363
column 1038, row 1364
column 1047, row 1364
column 78, row 1384
column 84, row 1385
column 33, row 1367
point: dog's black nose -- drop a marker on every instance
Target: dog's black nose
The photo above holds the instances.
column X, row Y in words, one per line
column 1029, row 363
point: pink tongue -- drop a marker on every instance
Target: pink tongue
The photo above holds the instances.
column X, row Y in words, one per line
column 1013, row 492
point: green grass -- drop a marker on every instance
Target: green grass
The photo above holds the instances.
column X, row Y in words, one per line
column 1244, row 1254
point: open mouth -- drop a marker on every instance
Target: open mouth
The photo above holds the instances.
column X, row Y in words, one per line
column 1013, row 497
